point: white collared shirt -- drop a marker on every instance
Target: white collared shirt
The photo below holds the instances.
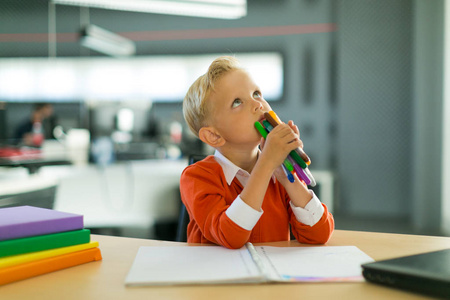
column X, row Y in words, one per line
column 247, row 217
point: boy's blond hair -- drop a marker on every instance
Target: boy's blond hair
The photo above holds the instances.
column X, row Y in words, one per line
column 195, row 107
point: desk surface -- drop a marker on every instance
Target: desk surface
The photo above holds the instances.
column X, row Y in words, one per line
column 33, row 164
column 105, row 279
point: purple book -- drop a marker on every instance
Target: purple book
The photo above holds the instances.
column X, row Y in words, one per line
column 24, row 221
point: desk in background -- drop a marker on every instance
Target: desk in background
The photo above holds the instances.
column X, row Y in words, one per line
column 105, row 279
column 18, row 187
column 134, row 198
column 31, row 159
column 33, row 165
column 125, row 198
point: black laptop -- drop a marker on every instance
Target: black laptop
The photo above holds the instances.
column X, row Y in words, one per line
column 427, row 273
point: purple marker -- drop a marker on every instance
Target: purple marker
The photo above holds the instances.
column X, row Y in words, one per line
column 302, row 174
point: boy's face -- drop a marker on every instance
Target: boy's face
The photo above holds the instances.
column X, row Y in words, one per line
column 235, row 105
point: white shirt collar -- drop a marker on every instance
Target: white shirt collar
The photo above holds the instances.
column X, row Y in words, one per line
column 230, row 170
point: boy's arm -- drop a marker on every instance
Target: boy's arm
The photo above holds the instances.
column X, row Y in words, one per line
column 280, row 141
column 268, row 164
column 297, row 191
column 312, row 223
column 319, row 233
column 203, row 193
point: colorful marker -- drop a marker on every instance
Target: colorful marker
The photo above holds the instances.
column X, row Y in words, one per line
column 270, row 123
column 308, row 173
column 288, row 174
column 273, row 119
column 297, row 157
column 297, row 160
column 303, row 174
column 263, row 133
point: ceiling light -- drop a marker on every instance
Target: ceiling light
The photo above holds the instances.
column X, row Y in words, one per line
column 222, row 9
column 106, row 42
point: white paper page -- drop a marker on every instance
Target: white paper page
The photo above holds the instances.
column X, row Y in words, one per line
column 327, row 263
column 191, row 265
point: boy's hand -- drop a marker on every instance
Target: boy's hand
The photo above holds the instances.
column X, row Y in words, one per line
column 280, row 142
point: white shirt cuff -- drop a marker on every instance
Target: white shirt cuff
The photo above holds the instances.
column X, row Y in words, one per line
column 242, row 214
column 312, row 212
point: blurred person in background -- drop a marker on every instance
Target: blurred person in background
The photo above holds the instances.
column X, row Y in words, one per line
column 38, row 127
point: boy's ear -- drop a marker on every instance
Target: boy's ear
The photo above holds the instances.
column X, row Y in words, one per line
column 210, row 136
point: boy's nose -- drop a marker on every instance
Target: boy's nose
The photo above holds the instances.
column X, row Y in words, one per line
column 257, row 105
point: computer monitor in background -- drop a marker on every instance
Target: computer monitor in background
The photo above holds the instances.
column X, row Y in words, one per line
column 13, row 114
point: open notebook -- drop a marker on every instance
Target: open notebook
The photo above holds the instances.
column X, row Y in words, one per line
column 251, row 264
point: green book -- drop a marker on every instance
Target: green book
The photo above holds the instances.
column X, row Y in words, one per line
column 44, row 242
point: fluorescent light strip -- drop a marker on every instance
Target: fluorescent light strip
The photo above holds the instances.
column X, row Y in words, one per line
column 106, row 42
column 221, row 9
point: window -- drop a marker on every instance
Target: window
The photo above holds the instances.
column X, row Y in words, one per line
column 152, row 78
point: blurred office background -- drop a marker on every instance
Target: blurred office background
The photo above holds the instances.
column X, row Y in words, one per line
column 363, row 79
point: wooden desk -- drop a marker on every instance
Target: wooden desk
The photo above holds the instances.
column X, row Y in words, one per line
column 105, row 279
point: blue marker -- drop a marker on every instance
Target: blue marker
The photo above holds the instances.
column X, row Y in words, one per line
column 288, row 174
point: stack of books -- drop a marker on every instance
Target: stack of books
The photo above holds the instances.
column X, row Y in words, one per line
column 35, row 241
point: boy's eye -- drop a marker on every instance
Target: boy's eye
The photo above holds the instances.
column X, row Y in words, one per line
column 236, row 103
column 257, row 95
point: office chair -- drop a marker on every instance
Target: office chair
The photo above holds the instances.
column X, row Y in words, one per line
column 183, row 217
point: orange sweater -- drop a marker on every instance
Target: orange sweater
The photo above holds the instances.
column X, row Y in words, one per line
column 207, row 196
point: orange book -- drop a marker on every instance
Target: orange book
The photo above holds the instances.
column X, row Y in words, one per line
column 47, row 265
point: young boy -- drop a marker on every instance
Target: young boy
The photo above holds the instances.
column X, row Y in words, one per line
column 241, row 194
